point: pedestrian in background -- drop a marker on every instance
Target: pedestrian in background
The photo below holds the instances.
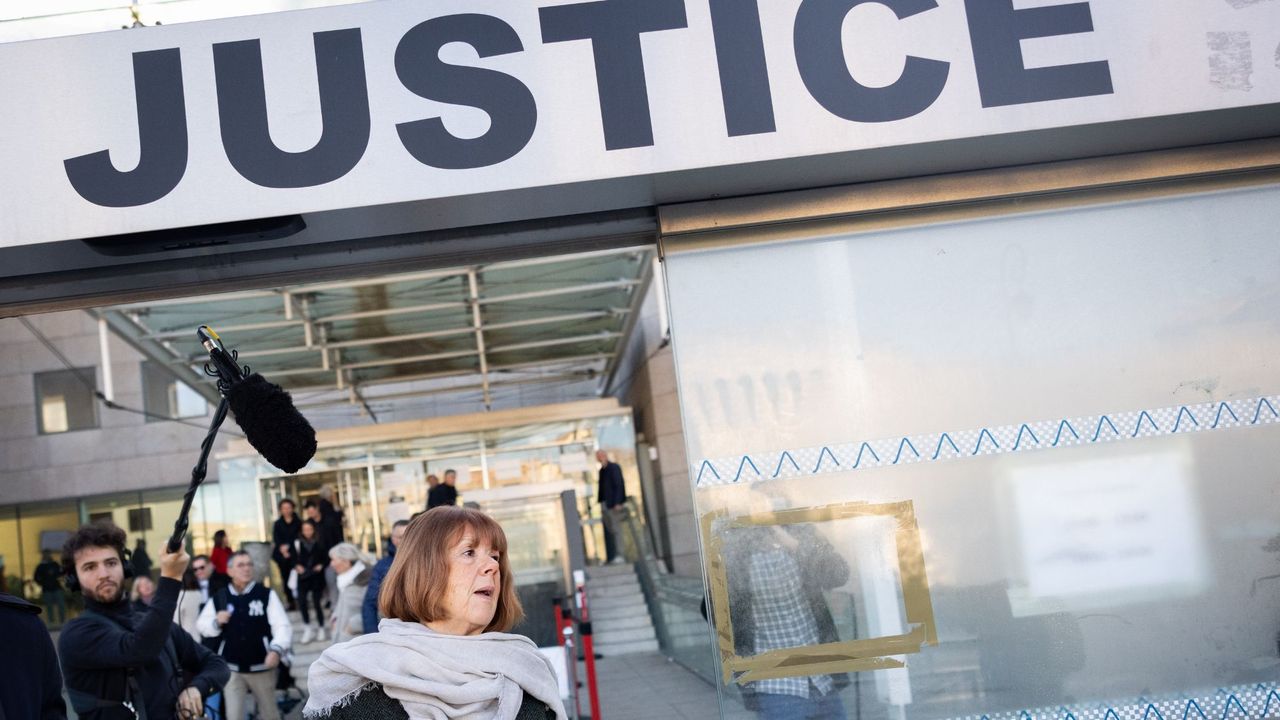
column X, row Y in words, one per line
column 312, row 557
column 283, row 534
column 142, row 592
column 444, row 649
column 48, row 577
column 140, row 559
column 189, row 604
column 369, row 612
column 220, row 553
column 612, row 493
column 353, row 569
column 253, row 633
column 445, row 493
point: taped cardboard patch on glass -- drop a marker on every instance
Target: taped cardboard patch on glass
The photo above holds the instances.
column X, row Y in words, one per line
column 876, row 653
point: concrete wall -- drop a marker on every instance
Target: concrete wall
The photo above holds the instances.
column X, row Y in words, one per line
column 647, row 382
column 124, row 453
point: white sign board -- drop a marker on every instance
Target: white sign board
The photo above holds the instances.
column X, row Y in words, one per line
column 398, row 101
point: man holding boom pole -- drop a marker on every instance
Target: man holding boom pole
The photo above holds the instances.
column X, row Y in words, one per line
column 120, row 663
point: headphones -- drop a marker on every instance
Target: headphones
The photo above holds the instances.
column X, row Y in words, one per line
column 72, row 580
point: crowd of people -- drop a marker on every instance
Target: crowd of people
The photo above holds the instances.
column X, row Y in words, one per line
column 422, row 632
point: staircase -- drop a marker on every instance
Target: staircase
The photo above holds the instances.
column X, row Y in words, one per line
column 620, row 618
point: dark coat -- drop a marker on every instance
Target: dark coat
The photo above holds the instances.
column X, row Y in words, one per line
column 442, row 494
column 613, row 490
column 372, row 703
column 284, row 533
column 48, row 576
column 99, row 647
column 369, row 613
column 308, row 558
column 331, row 531
column 32, row 684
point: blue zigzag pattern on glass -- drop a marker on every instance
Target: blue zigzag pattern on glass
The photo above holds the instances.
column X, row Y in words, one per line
column 1014, row 438
column 1230, row 703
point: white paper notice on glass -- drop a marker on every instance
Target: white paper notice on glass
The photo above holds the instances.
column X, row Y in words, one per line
column 1110, row 532
column 573, row 463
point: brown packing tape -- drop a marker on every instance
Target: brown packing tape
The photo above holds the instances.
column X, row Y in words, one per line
column 846, row 656
column 842, row 666
column 847, row 650
column 719, row 585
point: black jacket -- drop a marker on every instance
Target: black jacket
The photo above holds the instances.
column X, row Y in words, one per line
column 442, row 494
column 48, row 576
column 331, row 531
column 99, row 647
column 372, row 703
column 31, row 685
column 613, row 491
column 308, row 558
column 284, row 533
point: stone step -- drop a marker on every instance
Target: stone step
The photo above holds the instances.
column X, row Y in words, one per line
column 612, row 636
column 610, row 580
column 614, row 606
column 628, row 588
column 603, row 571
column 621, row 622
column 628, row 648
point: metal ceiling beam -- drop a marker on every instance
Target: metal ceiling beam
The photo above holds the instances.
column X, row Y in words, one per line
column 407, row 360
column 449, row 332
column 568, row 290
column 497, row 384
column 245, row 327
column 134, row 334
column 379, row 280
column 473, row 292
column 384, row 312
column 633, row 317
column 557, row 341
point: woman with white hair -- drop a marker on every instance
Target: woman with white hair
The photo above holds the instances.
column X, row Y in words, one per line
column 353, row 569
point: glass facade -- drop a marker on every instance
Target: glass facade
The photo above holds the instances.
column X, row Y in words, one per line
column 515, row 473
column 1011, row 466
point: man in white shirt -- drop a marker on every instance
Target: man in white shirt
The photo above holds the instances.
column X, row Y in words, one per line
column 251, row 631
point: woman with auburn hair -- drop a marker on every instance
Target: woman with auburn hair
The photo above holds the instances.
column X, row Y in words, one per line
column 444, row 649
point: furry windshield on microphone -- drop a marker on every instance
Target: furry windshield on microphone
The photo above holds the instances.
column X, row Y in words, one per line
column 272, row 425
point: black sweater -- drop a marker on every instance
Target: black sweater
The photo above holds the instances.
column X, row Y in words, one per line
column 31, row 685
column 97, row 647
column 374, row 704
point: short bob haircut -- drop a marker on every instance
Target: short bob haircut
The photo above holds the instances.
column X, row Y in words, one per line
column 415, row 587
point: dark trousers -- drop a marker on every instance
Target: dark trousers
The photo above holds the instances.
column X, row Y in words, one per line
column 311, row 592
column 609, row 520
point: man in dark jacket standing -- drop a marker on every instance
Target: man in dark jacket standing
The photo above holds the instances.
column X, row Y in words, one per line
column 611, row 494
column 48, row 576
column 446, row 493
column 32, row 684
column 369, row 610
column 116, row 660
column 283, row 534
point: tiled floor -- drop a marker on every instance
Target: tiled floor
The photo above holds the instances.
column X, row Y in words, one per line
column 647, row 686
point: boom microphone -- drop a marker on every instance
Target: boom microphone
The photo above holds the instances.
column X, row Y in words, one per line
column 265, row 411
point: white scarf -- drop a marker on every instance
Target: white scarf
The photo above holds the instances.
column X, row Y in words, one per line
column 435, row 676
column 345, row 578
